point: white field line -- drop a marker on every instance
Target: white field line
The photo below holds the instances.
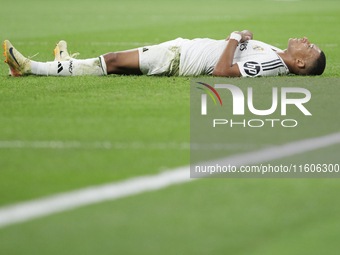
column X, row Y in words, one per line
column 29, row 210
column 127, row 146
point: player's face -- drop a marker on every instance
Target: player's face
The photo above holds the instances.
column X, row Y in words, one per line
column 303, row 49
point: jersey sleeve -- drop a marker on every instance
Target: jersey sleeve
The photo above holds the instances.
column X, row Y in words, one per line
column 263, row 67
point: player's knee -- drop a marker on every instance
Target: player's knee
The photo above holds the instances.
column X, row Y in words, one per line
column 111, row 60
column 122, row 62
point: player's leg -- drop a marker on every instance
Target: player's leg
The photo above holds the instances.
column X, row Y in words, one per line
column 119, row 63
column 122, row 62
column 21, row 66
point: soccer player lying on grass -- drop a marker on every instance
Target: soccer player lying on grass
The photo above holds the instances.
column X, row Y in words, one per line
column 238, row 55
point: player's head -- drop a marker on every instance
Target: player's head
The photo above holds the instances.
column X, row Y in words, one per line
column 307, row 58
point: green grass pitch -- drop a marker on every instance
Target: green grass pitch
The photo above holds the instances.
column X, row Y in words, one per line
column 149, row 118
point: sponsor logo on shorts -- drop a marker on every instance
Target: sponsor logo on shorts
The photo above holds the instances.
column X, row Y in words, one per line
column 145, row 49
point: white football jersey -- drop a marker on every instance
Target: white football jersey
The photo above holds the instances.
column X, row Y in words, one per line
column 254, row 58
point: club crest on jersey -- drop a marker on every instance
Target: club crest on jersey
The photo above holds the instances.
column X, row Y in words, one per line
column 256, row 47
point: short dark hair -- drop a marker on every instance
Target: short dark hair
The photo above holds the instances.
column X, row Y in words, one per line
column 319, row 65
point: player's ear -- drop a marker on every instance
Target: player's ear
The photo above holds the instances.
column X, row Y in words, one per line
column 300, row 63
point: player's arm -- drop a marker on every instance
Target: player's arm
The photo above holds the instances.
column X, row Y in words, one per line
column 225, row 66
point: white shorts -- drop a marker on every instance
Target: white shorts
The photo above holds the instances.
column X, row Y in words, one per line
column 161, row 59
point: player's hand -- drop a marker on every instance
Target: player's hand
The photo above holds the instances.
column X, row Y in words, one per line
column 246, row 35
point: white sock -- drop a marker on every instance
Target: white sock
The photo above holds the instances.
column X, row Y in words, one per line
column 73, row 67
